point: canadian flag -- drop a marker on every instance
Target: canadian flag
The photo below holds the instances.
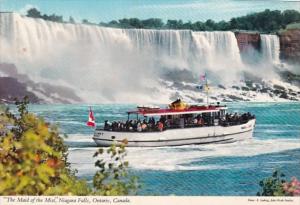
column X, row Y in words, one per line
column 91, row 121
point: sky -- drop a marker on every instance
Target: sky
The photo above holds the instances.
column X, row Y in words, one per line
column 188, row 10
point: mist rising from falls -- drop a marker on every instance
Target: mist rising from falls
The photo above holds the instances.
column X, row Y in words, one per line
column 115, row 65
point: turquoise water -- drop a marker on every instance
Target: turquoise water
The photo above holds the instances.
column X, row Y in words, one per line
column 222, row 169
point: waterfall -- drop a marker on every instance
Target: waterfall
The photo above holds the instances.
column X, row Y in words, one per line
column 107, row 64
column 270, row 48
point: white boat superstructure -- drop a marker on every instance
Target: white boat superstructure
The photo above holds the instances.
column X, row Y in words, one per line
column 176, row 137
column 179, row 125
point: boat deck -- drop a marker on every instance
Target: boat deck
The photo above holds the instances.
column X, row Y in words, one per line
column 224, row 124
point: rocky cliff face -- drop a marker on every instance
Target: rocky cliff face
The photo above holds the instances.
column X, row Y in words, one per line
column 248, row 41
column 11, row 89
column 290, row 45
column 14, row 85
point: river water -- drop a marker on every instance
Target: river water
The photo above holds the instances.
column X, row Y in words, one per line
column 215, row 169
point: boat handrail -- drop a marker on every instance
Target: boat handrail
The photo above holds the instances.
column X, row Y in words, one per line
column 226, row 124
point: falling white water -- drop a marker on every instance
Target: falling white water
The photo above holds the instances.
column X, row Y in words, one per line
column 108, row 65
column 270, row 48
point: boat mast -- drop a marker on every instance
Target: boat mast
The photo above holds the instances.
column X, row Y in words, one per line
column 207, row 92
column 204, row 86
column 206, row 89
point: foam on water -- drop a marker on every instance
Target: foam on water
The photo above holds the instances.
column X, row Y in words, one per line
column 183, row 157
column 180, row 170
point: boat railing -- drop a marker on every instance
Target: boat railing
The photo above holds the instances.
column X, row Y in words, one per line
column 186, row 125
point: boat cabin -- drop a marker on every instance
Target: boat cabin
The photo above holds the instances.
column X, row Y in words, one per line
column 177, row 115
column 182, row 116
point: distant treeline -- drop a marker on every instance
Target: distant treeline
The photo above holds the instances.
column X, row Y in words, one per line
column 267, row 21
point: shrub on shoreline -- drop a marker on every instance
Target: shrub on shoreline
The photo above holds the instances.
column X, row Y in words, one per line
column 33, row 160
column 276, row 185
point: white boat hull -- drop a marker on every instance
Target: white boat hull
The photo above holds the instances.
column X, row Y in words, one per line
column 177, row 137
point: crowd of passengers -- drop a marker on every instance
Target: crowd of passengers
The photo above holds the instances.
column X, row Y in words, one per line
column 235, row 119
column 180, row 122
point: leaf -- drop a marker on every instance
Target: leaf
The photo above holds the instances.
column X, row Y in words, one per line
column 45, row 172
column 6, row 145
column 24, row 181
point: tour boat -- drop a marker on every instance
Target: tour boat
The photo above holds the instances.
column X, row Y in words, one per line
column 178, row 124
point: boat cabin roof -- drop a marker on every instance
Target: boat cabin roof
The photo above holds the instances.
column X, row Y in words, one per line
column 169, row 111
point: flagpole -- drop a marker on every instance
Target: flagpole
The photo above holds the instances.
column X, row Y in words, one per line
column 206, row 89
column 204, row 78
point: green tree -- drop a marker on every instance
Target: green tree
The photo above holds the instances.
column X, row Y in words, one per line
column 33, row 151
column 174, row 24
column 124, row 23
column 187, row 25
column 290, row 16
column 210, row 25
column 222, row 26
column 112, row 176
column 153, row 23
column 34, row 13
column 135, row 23
column 113, row 23
column 55, row 18
column 198, row 26
column 33, row 160
column 85, row 21
column 266, row 21
column 233, row 23
column 273, row 186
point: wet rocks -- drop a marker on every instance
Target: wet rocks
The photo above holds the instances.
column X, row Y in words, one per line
column 221, row 86
column 11, row 89
column 278, row 91
column 284, row 95
column 278, row 87
column 235, row 87
column 235, row 98
column 245, row 88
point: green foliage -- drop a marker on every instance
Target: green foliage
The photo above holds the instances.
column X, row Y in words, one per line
column 267, row 21
column 85, row 21
column 34, row 13
column 273, row 186
column 33, row 157
column 112, row 177
column 33, row 160
column 290, row 16
column 152, row 23
column 293, row 26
